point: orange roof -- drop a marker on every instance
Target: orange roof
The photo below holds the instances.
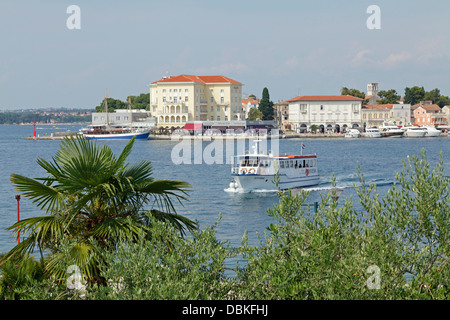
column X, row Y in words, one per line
column 325, row 98
column 250, row 100
column 378, row 106
column 201, row 79
column 431, row 107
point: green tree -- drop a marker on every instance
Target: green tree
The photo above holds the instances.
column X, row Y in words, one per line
column 266, row 106
column 92, row 196
column 414, row 95
column 141, row 101
column 254, row 114
column 353, row 92
column 388, row 97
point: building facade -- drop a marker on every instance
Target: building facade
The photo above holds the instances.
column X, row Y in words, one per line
column 429, row 115
column 281, row 115
column 124, row 118
column 249, row 103
column 328, row 113
column 176, row 100
column 375, row 115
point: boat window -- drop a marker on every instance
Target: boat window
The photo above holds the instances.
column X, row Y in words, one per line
column 282, row 164
column 296, row 164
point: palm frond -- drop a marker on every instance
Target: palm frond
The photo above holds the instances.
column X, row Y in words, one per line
column 45, row 196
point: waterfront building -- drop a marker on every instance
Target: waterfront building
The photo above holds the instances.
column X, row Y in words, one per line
column 238, row 126
column 249, row 103
column 175, row 100
column 446, row 113
column 328, row 113
column 429, row 115
column 400, row 114
column 375, row 115
column 138, row 118
column 386, row 114
column 281, row 115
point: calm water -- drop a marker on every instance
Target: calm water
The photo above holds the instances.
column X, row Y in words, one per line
column 379, row 159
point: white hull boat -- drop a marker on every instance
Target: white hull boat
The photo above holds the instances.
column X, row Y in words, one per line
column 415, row 132
column 372, row 133
column 432, row 131
column 258, row 172
column 391, row 132
column 352, row 133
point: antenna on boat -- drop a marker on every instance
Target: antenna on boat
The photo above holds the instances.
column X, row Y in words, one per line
column 106, row 109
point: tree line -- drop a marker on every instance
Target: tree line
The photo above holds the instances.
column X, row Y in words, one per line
column 31, row 116
column 412, row 96
column 141, row 101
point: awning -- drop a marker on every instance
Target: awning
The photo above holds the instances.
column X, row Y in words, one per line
column 193, row 126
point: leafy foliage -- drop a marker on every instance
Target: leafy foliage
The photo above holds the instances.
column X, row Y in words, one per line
column 92, row 196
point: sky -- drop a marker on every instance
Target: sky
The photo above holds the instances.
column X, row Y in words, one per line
column 291, row 47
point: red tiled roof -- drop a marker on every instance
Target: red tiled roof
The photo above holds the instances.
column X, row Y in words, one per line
column 378, row 106
column 251, row 100
column 325, row 98
column 431, row 107
column 201, row 79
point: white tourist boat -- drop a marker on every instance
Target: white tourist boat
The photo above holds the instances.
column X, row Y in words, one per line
column 414, row 132
column 352, row 133
column 257, row 171
column 391, row 132
column 432, row 131
column 372, row 133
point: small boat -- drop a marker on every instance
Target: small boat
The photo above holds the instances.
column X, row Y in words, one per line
column 258, row 171
column 372, row 133
column 352, row 133
column 114, row 133
column 391, row 132
column 414, row 132
column 432, row 131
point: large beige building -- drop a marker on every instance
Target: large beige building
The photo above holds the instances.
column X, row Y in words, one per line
column 176, row 100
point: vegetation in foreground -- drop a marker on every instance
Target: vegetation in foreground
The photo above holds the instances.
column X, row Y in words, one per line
column 396, row 247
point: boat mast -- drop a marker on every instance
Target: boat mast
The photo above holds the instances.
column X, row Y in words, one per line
column 106, row 110
column 131, row 114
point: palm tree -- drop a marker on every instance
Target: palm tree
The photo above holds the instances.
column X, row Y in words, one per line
column 93, row 198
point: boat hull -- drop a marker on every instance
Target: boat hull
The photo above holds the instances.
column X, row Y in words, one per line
column 118, row 136
column 249, row 183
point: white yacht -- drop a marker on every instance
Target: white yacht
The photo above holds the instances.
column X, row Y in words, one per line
column 432, row 131
column 414, row 132
column 372, row 133
column 391, row 131
column 258, row 171
column 352, row 133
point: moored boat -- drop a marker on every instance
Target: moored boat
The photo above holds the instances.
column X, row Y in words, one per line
column 432, row 131
column 391, row 132
column 414, row 132
column 259, row 171
column 114, row 133
column 352, row 133
column 372, row 133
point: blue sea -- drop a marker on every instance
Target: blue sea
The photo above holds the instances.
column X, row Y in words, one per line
column 379, row 160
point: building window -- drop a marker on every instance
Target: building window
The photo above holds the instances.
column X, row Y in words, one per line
column 321, row 107
column 212, row 99
column 222, row 100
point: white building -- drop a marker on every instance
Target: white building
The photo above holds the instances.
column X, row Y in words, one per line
column 329, row 113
